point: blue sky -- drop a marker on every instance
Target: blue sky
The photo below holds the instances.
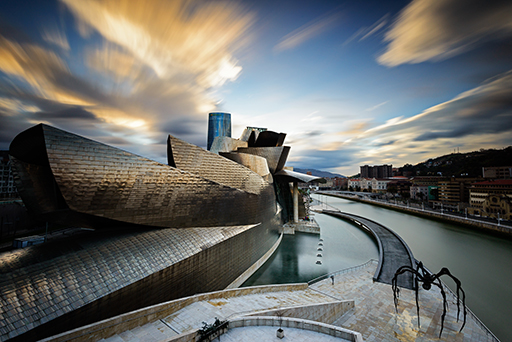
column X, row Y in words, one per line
column 350, row 82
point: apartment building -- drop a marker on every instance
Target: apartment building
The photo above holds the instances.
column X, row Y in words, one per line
column 497, row 172
column 377, row 171
column 491, row 198
column 454, row 191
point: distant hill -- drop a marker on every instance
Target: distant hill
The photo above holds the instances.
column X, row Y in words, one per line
column 318, row 173
column 461, row 164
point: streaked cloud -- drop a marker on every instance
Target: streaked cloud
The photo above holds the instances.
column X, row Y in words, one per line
column 56, row 37
column 476, row 118
column 148, row 70
column 376, row 106
column 480, row 117
column 439, row 29
column 172, row 37
column 128, row 73
column 471, row 112
column 307, row 32
column 367, row 31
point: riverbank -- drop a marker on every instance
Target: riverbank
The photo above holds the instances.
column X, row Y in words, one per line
column 492, row 228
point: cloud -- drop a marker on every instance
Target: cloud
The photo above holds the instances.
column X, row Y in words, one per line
column 439, row 29
column 56, row 37
column 148, row 69
column 478, row 118
column 323, row 160
column 484, row 109
column 376, row 106
column 172, row 37
column 76, row 113
column 307, row 32
column 365, row 31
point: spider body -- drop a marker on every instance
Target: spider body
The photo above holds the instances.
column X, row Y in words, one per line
column 421, row 274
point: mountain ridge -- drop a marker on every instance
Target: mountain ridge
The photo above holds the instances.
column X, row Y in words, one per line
column 318, row 173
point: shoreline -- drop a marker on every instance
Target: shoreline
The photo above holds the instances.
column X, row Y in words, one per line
column 487, row 227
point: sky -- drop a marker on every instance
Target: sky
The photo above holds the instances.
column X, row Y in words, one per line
column 350, row 82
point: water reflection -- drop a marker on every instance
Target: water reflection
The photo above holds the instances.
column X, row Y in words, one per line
column 340, row 244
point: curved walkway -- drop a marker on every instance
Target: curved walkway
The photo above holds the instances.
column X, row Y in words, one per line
column 393, row 251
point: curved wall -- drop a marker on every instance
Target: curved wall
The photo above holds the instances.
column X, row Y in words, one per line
column 57, row 287
column 83, row 182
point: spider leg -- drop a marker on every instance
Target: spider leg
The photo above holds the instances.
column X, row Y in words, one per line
column 396, row 289
column 445, row 271
column 416, row 289
column 463, row 304
column 394, row 283
column 445, row 304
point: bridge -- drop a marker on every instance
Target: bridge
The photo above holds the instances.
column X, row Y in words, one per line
column 393, row 251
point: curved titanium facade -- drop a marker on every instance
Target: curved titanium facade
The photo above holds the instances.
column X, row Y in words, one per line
column 57, row 286
column 70, row 179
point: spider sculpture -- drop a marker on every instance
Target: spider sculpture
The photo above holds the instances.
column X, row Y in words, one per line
column 428, row 279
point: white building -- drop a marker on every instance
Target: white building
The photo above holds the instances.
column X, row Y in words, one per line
column 365, row 183
column 354, row 183
column 379, row 185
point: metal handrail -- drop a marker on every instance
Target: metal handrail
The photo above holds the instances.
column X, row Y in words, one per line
column 345, row 270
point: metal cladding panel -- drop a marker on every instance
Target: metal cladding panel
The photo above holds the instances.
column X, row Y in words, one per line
column 191, row 158
column 225, row 144
column 219, row 124
column 255, row 163
column 291, row 176
column 269, row 139
column 275, row 156
column 105, row 182
column 61, row 285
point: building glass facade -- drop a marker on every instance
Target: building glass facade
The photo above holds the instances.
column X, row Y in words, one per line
column 219, row 124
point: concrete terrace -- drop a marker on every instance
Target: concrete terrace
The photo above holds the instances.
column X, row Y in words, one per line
column 355, row 303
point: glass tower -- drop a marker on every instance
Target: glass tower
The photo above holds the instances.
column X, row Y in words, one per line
column 219, row 125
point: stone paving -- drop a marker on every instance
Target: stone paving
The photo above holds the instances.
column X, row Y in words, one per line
column 374, row 315
column 192, row 316
column 269, row 334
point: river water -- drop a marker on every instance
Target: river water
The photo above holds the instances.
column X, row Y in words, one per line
column 482, row 262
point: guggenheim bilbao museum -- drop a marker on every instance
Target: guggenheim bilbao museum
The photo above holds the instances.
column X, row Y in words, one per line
column 203, row 222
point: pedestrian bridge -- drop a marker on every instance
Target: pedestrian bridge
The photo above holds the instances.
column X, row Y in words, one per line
column 393, row 251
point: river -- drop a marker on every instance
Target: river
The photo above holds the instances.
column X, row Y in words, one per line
column 482, row 262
